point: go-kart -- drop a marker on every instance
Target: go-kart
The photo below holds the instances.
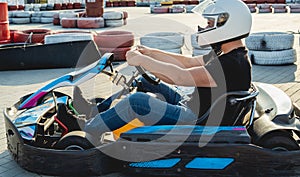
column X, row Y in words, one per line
column 261, row 140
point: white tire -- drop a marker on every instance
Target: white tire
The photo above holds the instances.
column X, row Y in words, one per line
column 67, row 37
column 264, row 6
column 90, row 22
column 22, row 14
column 114, row 23
column 279, row 6
column 36, row 14
column 37, row 6
column 176, row 9
column 20, row 20
column 111, row 15
column 46, row 20
column 48, row 14
column 68, row 15
column 35, row 19
column 270, row 41
column 163, row 40
column 283, row 57
column 195, row 43
column 28, row 7
column 10, row 14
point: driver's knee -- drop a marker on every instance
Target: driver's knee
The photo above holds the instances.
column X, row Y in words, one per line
column 139, row 103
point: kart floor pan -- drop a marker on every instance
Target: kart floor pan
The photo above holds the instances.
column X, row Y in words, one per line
column 219, row 156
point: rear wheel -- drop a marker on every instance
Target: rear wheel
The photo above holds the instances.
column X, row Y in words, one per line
column 279, row 141
column 76, row 140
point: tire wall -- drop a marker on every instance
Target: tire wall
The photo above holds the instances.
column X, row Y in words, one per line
column 31, row 35
column 167, row 41
column 271, row 48
column 198, row 50
column 117, row 42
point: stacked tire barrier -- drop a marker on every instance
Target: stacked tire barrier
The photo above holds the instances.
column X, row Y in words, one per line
column 120, row 3
column 279, row 8
column 188, row 2
column 167, row 41
column 271, row 48
column 197, row 50
column 115, row 19
column 252, row 7
column 173, row 9
column 264, row 8
column 46, row 7
column 47, row 17
column 117, row 42
column 294, row 8
column 72, row 20
column 177, row 9
column 90, row 22
column 68, row 19
column 159, row 10
column 68, row 37
column 25, row 17
column 20, row 17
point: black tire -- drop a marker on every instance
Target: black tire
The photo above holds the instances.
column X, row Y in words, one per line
column 279, row 141
column 76, row 140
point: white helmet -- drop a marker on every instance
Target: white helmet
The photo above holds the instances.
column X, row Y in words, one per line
column 231, row 20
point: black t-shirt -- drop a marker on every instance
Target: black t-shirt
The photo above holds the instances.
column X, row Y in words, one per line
column 231, row 72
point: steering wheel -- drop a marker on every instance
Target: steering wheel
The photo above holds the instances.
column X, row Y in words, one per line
column 154, row 81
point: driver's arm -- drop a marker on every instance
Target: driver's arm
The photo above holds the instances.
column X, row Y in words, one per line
column 170, row 73
column 173, row 58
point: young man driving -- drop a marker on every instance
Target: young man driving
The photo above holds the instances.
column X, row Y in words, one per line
column 225, row 69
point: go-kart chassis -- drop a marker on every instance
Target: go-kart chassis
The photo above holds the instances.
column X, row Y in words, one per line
column 231, row 154
column 229, row 151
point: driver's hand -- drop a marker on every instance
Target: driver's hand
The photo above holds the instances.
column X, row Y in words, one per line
column 144, row 50
column 134, row 57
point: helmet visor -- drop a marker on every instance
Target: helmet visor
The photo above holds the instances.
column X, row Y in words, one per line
column 213, row 16
column 211, row 22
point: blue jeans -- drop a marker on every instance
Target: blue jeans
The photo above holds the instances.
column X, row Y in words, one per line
column 168, row 110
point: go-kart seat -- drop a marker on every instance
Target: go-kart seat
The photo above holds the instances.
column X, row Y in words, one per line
column 239, row 110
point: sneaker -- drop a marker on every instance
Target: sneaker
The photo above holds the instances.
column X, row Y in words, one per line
column 81, row 104
column 71, row 121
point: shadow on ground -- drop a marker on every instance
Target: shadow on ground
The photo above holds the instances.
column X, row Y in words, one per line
column 274, row 74
column 25, row 77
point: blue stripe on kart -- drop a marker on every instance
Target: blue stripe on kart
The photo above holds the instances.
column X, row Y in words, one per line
column 207, row 163
column 165, row 163
column 203, row 130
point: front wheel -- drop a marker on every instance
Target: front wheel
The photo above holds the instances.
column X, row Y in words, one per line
column 76, row 140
